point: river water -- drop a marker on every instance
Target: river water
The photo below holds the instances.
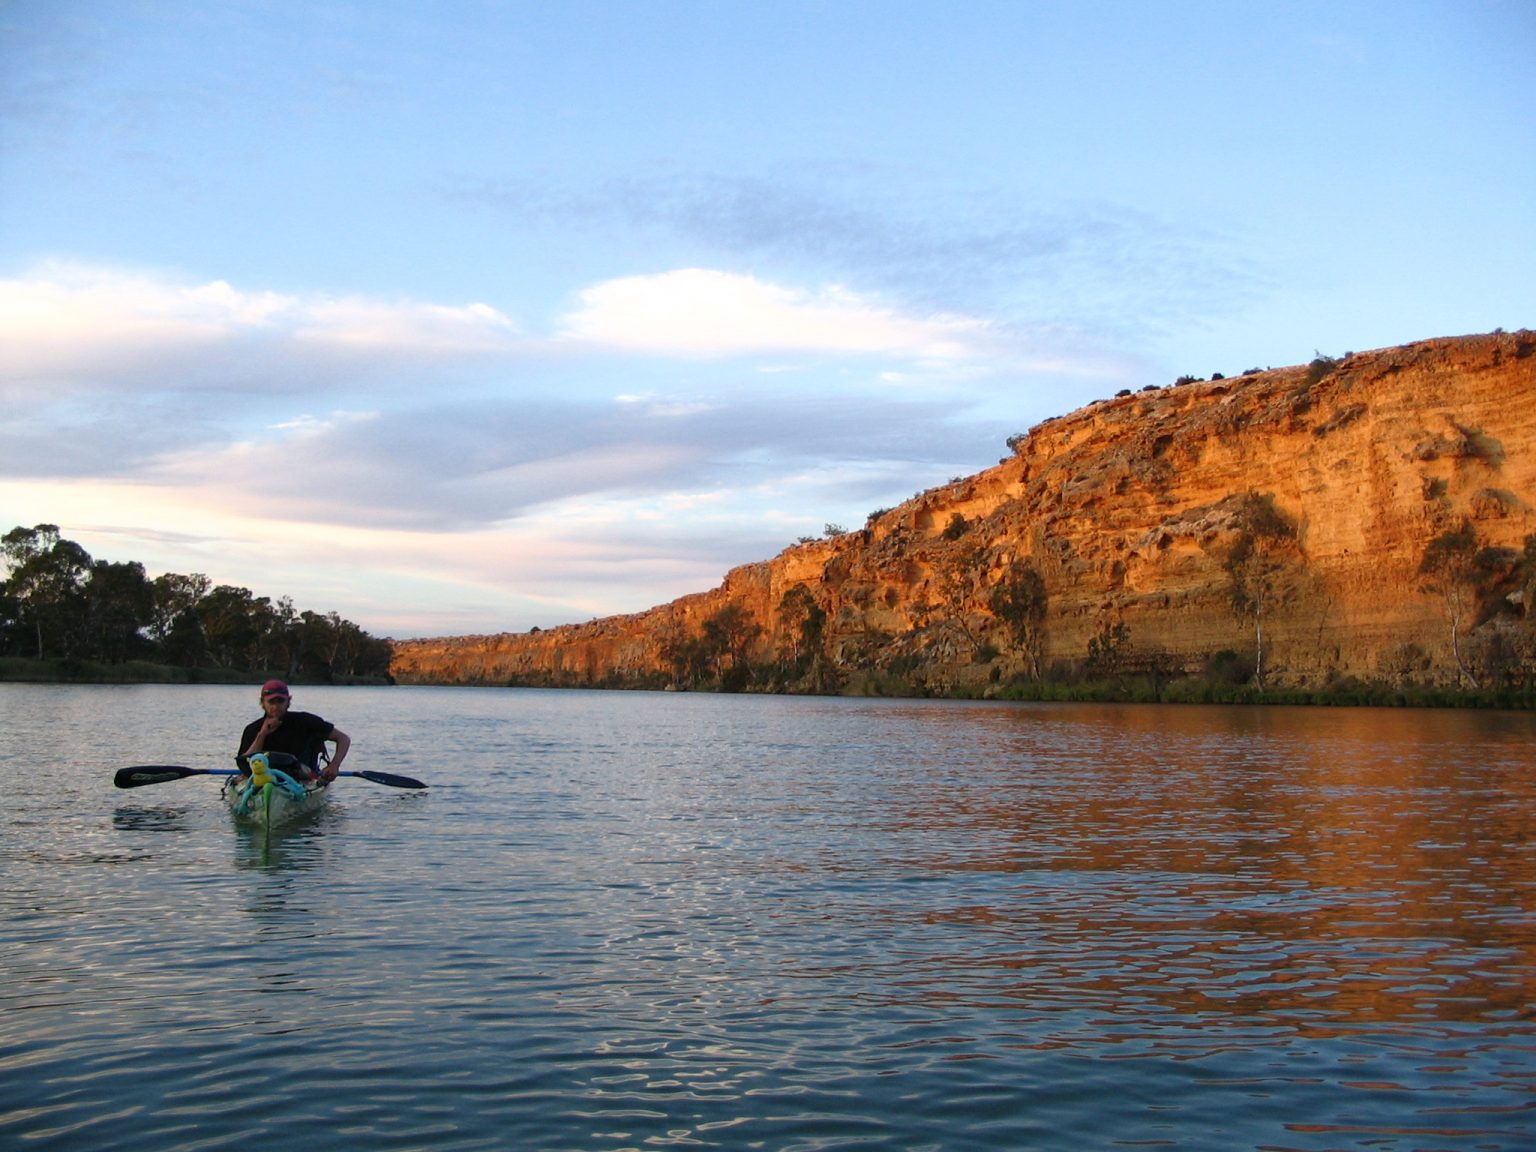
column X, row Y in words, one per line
column 641, row 921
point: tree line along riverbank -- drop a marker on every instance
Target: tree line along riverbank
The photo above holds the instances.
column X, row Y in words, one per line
column 65, row 616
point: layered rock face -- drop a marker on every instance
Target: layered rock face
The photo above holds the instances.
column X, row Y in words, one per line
column 1134, row 514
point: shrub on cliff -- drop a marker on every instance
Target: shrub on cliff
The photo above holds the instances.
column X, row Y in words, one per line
column 1107, row 651
column 1228, row 669
column 1320, row 368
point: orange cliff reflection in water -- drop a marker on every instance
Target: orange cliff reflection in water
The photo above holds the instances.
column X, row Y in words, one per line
column 1305, row 867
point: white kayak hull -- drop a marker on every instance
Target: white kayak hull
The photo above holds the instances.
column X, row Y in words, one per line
column 270, row 805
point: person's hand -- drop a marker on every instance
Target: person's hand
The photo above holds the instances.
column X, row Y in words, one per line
column 329, row 773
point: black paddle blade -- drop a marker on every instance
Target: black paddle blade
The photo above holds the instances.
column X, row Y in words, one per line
column 152, row 774
column 390, row 779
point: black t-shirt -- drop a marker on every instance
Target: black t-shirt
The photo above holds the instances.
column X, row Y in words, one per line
column 301, row 734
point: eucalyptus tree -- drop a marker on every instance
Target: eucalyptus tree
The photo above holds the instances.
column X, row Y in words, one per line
column 233, row 620
column 174, row 597
column 1450, row 573
column 175, row 625
column 46, row 582
column 1261, row 567
column 120, row 605
column 1020, row 602
column 728, row 637
column 804, row 622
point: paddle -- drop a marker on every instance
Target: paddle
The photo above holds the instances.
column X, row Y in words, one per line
column 139, row 776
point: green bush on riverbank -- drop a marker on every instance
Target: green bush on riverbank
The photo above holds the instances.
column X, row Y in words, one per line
column 18, row 670
column 1345, row 694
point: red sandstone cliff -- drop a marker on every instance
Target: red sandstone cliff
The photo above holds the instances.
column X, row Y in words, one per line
column 1129, row 511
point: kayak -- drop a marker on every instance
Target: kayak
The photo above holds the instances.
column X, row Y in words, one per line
column 269, row 806
column 269, row 797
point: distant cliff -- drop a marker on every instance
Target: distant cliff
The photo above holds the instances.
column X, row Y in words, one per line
column 1372, row 516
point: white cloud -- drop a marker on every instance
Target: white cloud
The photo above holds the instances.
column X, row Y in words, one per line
column 68, row 321
column 705, row 312
column 407, row 325
column 649, row 404
column 78, row 327
column 82, row 324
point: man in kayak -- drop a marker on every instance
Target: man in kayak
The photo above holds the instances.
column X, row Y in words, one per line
column 300, row 734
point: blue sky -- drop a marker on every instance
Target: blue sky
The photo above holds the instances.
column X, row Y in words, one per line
column 475, row 316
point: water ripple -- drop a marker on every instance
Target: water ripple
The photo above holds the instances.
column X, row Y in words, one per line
column 630, row 922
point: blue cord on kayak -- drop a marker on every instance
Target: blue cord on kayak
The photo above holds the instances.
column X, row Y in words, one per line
column 288, row 784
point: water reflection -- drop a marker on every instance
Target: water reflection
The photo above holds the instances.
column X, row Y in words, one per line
column 1210, row 871
column 143, row 819
column 297, row 846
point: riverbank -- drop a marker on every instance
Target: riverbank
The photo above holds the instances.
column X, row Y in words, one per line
column 1129, row 690
column 17, row 670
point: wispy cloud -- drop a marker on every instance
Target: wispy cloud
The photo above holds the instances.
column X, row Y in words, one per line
column 450, row 467
column 1018, row 262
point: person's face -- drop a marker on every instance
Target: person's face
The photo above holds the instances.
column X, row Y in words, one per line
column 274, row 705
